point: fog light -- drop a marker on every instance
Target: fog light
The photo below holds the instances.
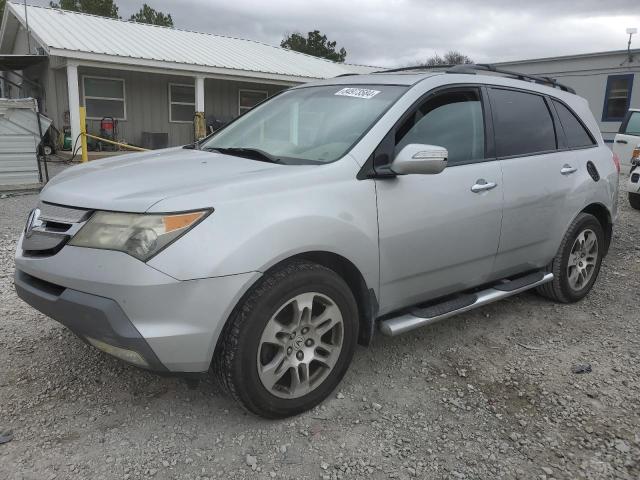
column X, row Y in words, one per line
column 128, row 356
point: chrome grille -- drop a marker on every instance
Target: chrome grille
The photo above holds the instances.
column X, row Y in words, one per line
column 60, row 214
column 50, row 227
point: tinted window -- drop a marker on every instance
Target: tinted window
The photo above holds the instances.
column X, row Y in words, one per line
column 577, row 135
column 522, row 122
column 452, row 120
column 633, row 125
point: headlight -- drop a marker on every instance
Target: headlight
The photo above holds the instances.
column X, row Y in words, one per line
column 139, row 235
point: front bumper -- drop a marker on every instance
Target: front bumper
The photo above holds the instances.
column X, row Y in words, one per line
column 114, row 298
column 88, row 316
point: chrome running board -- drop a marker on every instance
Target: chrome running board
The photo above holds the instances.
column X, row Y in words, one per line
column 426, row 316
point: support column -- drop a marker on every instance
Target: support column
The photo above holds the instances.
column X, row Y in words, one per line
column 74, row 101
column 199, row 122
column 200, row 94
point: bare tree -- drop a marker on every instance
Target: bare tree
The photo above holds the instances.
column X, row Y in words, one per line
column 452, row 57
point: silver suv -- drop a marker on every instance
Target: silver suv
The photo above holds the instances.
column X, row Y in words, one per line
column 269, row 250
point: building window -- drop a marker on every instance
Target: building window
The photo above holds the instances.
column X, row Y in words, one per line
column 104, row 97
column 247, row 99
column 182, row 103
column 617, row 97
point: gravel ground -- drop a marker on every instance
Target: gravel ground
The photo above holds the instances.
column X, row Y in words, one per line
column 488, row 394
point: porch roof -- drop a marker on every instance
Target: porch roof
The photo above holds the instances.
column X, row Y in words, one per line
column 86, row 37
column 19, row 62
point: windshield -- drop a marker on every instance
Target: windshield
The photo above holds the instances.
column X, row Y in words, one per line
column 307, row 125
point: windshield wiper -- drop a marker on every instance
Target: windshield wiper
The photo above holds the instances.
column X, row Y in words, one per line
column 252, row 153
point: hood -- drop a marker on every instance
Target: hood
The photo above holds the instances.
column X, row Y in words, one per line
column 135, row 182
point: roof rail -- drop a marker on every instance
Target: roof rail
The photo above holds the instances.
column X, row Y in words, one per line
column 482, row 67
column 472, row 68
column 415, row 67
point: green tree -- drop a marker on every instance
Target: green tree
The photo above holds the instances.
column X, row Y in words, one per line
column 149, row 15
column 2, row 4
column 452, row 57
column 104, row 8
column 314, row 44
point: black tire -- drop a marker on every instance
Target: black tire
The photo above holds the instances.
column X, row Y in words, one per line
column 634, row 200
column 559, row 288
column 234, row 361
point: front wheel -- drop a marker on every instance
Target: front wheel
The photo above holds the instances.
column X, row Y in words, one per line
column 577, row 263
column 634, row 200
column 289, row 343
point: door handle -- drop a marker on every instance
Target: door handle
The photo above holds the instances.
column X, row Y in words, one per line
column 482, row 186
column 622, row 141
column 568, row 169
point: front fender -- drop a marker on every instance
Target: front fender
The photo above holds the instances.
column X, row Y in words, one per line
column 254, row 232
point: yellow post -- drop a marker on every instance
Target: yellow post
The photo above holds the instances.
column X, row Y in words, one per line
column 83, row 133
column 200, row 126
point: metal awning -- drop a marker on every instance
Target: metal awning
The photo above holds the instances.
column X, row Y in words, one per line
column 19, row 62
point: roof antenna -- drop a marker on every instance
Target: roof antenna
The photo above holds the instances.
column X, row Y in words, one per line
column 631, row 32
column 26, row 20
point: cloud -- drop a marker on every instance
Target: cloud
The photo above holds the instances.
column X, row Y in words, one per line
column 398, row 32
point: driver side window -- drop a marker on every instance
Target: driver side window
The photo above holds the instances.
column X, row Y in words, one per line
column 452, row 120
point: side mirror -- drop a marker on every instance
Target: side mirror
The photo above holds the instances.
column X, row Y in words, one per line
column 420, row 159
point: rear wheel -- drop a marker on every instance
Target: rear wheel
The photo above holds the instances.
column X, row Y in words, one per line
column 577, row 263
column 290, row 342
column 634, row 200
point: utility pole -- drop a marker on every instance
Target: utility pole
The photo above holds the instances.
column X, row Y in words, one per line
column 631, row 32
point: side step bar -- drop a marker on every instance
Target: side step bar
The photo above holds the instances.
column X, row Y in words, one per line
column 420, row 317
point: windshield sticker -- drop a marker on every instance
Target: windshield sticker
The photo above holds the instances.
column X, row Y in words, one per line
column 358, row 93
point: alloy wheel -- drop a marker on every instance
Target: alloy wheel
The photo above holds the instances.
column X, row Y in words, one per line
column 300, row 345
column 583, row 259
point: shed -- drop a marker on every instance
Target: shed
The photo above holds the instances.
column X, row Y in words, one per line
column 19, row 140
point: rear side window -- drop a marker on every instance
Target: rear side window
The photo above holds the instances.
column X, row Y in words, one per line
column 577, row 135
column 522, row 123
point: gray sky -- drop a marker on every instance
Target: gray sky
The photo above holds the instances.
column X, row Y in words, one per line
column 398, row 32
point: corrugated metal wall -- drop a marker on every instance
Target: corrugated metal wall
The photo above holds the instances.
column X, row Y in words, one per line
column 18, row 143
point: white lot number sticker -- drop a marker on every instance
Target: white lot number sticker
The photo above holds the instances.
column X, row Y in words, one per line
column 358, row 92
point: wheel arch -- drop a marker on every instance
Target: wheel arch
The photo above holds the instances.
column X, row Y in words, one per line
column 364, row 295
column 603, row 216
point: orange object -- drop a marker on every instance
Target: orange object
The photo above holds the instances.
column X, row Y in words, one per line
column 183, row 220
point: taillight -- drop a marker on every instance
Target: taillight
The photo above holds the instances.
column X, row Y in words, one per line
column 635, row 156
column 616, row 161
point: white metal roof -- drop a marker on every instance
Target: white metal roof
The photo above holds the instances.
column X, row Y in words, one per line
column 574, row 56
column 93, row 38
